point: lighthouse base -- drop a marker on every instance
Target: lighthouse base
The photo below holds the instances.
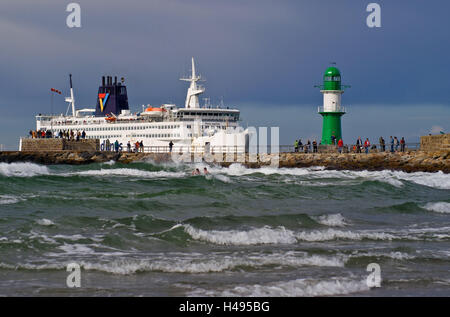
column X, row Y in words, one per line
column 331, row 126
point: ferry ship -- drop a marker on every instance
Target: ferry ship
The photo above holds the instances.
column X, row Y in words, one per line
column 204, row 128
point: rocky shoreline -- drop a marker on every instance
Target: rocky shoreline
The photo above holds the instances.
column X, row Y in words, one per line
column 413, row 161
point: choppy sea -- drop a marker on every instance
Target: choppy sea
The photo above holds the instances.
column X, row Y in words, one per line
column 156, row 230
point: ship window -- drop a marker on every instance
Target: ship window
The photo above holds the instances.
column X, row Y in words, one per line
column 337, row 78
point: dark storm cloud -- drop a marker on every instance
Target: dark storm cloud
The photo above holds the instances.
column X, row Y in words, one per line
column 261, row 52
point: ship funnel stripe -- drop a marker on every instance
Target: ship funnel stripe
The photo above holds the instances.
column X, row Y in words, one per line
column 103, row 99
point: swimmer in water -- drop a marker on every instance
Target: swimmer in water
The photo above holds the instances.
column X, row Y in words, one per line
column 196, row 172
column 205, row 171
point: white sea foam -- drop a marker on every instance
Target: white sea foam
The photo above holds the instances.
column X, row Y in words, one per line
column 265, row 235
column 76, row 249
column 220, row 177
column 332, row 220
column 441, row 207
column 9, row 199
column 396, row 255
column 22, row 169
column 45, row 222
column 298, row 287
column 196, row 263
column 41, row 237
column 394, row 178
column 74, row 237
column 130, row 172
column 31, row 266
column 333, row 234
column 281, row 235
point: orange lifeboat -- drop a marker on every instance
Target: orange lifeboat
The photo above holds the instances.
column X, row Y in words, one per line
column 153, row 111
column 110, row 118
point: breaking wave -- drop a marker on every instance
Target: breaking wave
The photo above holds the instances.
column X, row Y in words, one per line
column 129, row 172
column 265, row 235
column 45, row 222
column 9, row 199
column 332, row 220
column 298, row 287
column 22, row 169
column 191, row 263
column 441, row 207
column 394, row 178
column 281, row 235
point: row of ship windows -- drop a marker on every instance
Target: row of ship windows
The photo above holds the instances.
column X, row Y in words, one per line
column 207, row 114
column 156, row 135
column 133, row 128
column 149, row 127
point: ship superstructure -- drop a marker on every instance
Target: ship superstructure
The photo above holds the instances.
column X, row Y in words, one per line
column 192, row 125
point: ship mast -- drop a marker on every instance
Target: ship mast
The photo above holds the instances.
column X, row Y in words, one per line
column 194, row 90
column 71, row 99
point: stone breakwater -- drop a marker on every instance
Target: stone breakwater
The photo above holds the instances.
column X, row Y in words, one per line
column 413, row 161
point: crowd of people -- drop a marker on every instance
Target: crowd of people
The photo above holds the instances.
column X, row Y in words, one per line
column 136, row 147
column 107, row 145
column 395, row 144
column 62, row 134
column 308, row 147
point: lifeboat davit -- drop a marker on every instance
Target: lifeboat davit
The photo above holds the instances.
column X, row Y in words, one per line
column 153, row 111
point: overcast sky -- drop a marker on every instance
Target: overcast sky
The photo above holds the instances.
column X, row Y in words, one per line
column 262, row 56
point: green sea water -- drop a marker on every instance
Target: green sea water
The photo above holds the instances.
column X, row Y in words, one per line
column 156, row 230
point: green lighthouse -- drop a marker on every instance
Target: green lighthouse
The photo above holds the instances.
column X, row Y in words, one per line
column 331, row 111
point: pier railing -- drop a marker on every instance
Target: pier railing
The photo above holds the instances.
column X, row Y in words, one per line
column 348, row 148
column 207, row 149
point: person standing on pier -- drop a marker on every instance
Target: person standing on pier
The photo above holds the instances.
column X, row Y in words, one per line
column 129, row 147
column 314, row 146
column 382, row 144
column 340, row 145
column 391, row 141
column 300, row 145
column 402, row 144
column 296, row 146
column 367, row 145
column 396, row 143
column 358, row 145
column 116, row 146
column 170, row 146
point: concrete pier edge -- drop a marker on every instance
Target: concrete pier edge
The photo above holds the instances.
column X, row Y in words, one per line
column 413, row 161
